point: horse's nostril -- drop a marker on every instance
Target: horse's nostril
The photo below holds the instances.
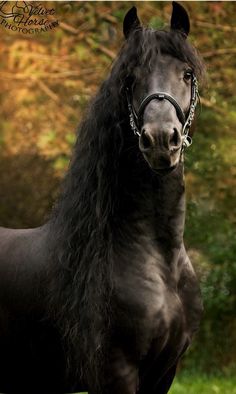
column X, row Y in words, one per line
column 145, row 141
column 175, row 138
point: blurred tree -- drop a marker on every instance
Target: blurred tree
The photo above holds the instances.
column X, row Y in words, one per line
column 46, row 82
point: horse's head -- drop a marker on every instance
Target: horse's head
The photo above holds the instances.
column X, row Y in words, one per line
column 162, row 88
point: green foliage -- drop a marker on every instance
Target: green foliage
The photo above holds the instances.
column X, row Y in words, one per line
column 196, row 384
column 47, row 138
column 156, row 22
column 204, row 384
column 82, row 51
column 70, row 138
column 61, row 163
column 119, row 15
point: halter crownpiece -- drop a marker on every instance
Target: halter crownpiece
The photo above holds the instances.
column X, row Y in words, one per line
column 135, row 118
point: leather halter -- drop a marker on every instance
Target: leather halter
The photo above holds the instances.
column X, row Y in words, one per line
column 186, row 120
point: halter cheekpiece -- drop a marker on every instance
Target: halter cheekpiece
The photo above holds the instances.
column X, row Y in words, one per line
column 136, row 118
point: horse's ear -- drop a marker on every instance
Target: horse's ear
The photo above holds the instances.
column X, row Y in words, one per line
column 131, row 22
column 179, row 19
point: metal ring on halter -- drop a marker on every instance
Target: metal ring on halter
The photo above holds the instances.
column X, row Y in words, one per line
column 136, row 118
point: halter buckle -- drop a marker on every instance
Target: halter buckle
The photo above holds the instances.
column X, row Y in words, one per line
column 187, row 141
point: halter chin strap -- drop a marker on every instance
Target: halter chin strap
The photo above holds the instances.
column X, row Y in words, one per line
column 136, row 118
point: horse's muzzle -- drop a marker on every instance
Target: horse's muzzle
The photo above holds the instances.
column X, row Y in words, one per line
column 161, row 147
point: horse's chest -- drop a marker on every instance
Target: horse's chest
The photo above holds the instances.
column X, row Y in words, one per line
column 149, row 305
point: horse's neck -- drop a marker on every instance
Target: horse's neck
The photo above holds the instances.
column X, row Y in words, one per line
column 156, row 207
column 169, row 208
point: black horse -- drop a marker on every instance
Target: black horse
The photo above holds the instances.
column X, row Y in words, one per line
column 103, row 297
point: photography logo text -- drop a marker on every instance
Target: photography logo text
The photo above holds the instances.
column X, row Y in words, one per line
column 27, row 17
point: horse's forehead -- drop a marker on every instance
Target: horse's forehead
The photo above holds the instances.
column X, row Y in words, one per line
column 167, row 63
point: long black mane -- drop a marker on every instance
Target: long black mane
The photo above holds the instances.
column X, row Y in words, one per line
column 86, row 217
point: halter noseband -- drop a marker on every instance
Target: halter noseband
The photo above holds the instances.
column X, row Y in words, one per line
column 136, row 118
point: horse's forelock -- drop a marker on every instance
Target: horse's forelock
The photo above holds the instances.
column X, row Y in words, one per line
column 142, row 46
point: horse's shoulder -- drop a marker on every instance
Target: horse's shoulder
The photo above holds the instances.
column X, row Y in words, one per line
column 22, row 265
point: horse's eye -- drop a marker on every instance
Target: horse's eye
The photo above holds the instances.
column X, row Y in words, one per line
column 188, row 74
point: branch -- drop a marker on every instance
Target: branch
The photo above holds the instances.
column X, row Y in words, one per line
column 59, row 75
column 107, row 52
column 69, row 28
column 220, row 51
column 214, row 26
column 110, row 18
column 47, row 90
column 100, row 47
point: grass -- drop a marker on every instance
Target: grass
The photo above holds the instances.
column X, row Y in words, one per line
column 190, row 384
